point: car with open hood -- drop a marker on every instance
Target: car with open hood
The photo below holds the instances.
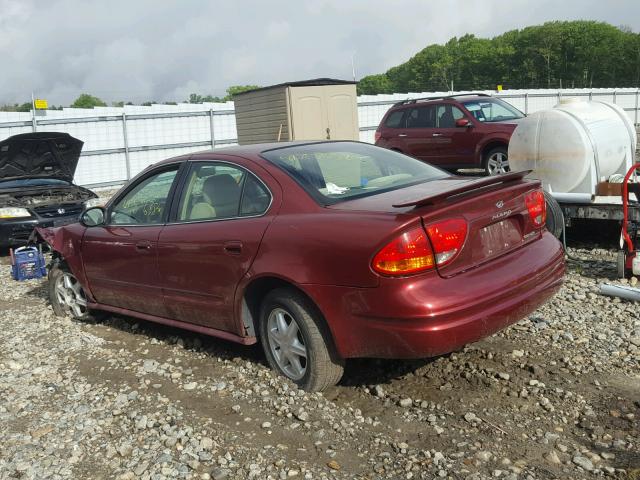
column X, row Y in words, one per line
column 320, row 251
column 36, row 184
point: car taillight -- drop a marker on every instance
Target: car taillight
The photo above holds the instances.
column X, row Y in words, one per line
column 412, row 251
column 537, row 207
column 377, row 135
column 408, row 253
column 447, row 238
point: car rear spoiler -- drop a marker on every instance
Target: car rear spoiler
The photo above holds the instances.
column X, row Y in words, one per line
column 467, row 188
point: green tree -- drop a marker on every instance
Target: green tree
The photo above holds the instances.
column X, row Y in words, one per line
column 231, row 92
column 236, row 89
column 374, row 84
column 87, row 101
column 568, row 54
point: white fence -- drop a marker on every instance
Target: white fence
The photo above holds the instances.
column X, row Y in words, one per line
column 120, row 142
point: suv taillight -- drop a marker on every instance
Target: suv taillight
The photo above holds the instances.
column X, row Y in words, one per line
column 377, row 135
column 412, row 252
column 537, row 207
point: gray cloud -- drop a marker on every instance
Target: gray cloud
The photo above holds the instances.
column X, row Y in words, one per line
column 148, row 50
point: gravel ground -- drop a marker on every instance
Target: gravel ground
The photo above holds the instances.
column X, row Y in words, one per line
column 555, row 396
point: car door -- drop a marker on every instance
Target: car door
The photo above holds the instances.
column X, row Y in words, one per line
column 216, row 230
column 418, row 133
column 121, row 257
column 455, row 146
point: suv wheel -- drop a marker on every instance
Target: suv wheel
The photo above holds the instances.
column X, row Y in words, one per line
column 294, row 341
column 496, row 161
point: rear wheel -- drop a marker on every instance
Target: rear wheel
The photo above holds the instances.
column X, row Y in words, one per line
column 496, row 161
column 66, row 294
column 555, row 217
column 295, row 342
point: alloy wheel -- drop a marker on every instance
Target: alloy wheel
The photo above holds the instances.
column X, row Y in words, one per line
column 287, row 343
column 70, row 295
column 497, row 163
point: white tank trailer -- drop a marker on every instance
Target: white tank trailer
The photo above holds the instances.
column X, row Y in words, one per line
column 580, row 151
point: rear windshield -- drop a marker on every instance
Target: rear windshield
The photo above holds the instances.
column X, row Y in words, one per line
column 332, row 172
column 32, row 182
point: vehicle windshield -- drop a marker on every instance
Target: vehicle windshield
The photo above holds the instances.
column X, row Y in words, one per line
column 492, row 110
column 32, row 182
column 333, row 172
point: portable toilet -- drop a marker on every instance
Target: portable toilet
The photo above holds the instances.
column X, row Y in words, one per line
column 320, row 109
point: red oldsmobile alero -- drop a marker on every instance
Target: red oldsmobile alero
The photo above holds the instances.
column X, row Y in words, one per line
column 321, row 251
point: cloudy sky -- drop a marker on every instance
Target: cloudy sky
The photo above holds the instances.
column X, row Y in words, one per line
column 140, row 50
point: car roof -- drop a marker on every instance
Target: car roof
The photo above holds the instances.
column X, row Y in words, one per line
column 453, row 98
column 252, row 150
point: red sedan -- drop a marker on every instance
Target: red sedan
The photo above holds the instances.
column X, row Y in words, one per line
column 321, row 251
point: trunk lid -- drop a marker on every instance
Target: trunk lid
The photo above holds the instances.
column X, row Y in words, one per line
column 498, row 222
column 40, row 154
column 494, row 208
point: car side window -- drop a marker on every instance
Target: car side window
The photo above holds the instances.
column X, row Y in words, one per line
column 394, row 120
column 215, row 191
column 447, row 115
column 145, row 203
column 421, row 117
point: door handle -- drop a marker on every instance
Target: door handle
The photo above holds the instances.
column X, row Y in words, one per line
column 233, row 248
column 402, row 134
column 436, row 135
column 143, row 245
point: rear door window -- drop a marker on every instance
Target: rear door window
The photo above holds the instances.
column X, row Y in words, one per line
column 421, row 117
column 216, row 190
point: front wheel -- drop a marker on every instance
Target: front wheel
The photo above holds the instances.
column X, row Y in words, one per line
column 496, row 161
column 66, row 294
column 295, row 343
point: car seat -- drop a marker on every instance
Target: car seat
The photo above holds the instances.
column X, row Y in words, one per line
column 222, row 196
column 447, row 120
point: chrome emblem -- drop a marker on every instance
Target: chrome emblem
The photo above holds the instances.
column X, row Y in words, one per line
column 499, row 204
column 61, row 211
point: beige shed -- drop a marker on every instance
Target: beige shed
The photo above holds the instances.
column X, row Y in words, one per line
column 318, row 109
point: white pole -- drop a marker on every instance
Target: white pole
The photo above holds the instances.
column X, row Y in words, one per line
column 353, row 66
column 34, row 125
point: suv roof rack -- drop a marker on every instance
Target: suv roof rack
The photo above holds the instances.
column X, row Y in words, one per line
column 439, row 97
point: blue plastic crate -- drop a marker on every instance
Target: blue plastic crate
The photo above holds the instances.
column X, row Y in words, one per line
column 27, row 263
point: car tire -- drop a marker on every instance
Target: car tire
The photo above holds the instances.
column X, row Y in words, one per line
column 296, row 342
column 555, row 217
column 496, row 161
column 66, row 294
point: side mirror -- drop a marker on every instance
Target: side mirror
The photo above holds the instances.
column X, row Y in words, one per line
column 463, row 122
column 93, row 217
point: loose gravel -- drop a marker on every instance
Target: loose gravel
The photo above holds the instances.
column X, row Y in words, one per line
column 555, row 396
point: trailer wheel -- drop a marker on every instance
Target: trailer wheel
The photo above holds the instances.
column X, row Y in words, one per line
column 555, row 217
column 621, row 264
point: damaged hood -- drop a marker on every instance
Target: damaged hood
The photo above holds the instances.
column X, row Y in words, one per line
column 40, row 154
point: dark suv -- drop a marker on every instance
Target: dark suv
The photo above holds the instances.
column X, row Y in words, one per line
column 460, row 131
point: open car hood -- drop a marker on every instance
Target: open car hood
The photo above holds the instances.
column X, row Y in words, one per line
column 40, row 154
